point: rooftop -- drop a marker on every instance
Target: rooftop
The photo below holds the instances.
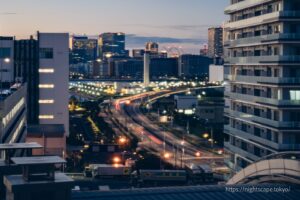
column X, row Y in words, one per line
column 191, row 193
column 20, row 146
column 38, row 160
column 7, row 91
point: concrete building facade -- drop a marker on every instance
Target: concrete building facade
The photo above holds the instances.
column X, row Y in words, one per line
column 53, row 79
column 215, row 42
column 262, row 66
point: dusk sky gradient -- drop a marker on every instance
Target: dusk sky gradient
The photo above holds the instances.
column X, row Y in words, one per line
column 172, row 22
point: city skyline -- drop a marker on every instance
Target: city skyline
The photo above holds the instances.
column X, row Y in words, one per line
column 184, row 26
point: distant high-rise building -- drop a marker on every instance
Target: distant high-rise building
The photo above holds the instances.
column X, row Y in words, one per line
column 6, row 60
column 204, row 50
column 83, row 49
column 262, row 67
column 152, row 47
column 111, row 44
column 194, row 65
column 131, row 68
column 138, row 53
column 215, row 42
column 163, row 67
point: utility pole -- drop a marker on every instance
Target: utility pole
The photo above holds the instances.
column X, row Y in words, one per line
column 212, row 137
column 188, row 127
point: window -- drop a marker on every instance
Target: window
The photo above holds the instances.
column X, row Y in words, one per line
column 275, row 137
column 295, row 94
column 244, row 146
column 46, row 70
column 4, row 52
column 46, row 101
column 46, row 85
column 46, row 117
column 257, row 132
column 269, row 134
column 46, row 53
column 257, row 112
column 257, row 151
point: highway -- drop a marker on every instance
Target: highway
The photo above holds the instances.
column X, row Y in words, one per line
column 172, row 149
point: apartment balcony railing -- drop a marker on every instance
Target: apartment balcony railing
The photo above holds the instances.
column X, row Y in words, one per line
column 240, row 151
column 249, row 136
column 263, row 120
column 261, row 100
column 263, row 79
column 261, row 39
column 244, row 4
column 261, row 19
column 262, row 59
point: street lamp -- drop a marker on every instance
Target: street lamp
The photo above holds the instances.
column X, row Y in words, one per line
column 198, row 154
column 7, row 60
column 167, row 155
column 122, row 140
column 116, row 160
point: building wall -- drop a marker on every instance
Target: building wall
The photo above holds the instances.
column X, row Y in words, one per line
column 215, row 42
column 55, row 83
column 194, row 65
column 185, row 102
column 163, row 67
column 51, row 146
column 262, row 63
column 6, row 52
column 13, row 116
column 26, row 66
column 216, row 73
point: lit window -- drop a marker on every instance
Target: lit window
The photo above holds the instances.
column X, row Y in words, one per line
column 295, row 94
column 46, row 70
column 46, row 101
column 46, row 85
column 46, row 117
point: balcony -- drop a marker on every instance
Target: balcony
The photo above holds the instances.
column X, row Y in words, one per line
column 250, row 137
column 261, row 100
column 244, row 4
column 263, row 79
column 263, row 39
column 240, row 151
column 262, row 19
column 255, row 60
column 263, row 120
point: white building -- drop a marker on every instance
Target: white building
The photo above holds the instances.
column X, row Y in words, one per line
column 216, row 73
column 54, row 79
column 146, row 69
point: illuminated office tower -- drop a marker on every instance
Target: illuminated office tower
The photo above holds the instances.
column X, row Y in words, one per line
column 83, row 49
column 152, row 47
column 111, row 44
column 262, row 67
